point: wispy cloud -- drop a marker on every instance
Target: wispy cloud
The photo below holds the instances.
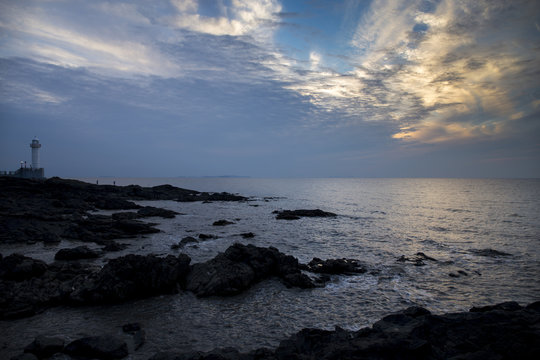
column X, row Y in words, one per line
column 442, row 71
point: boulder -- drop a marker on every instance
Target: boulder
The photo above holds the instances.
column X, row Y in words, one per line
column 149, row 211
column 45, row 346
column 126, row 215
column 25, row 356
column 133, row 276
column 335, row 266
column 239, row 267
column 106, row 347
column 77, row 253
column 207, row 236
column 187, row 240
column 489, row 252
column 297, row 214
column 417, row 260
column 135, row 227
column 19, row 267
column 222, row 223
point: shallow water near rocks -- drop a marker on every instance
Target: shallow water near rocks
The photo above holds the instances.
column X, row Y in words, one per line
column 379, row 220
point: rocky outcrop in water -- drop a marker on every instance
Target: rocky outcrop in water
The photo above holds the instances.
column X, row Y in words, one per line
column 133, row 277
column 240, row 266
column 418, row 259
column 297, row 214
column 77, row 253
column 55, row 209
column 336, row 266
column 28, row 286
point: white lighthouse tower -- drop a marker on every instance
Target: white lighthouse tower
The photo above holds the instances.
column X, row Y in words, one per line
column 35, row 145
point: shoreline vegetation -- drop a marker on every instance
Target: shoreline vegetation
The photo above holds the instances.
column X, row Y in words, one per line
column 55, row 210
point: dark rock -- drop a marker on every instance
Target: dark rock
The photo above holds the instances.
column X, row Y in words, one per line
column 135, row 227
column 417, row 260
column 127, row 215
column 77, row 253
column 55, row 209
column 248, row 235
column 489, row 252
column 114, row 246
column 207, row 236
column 45, row 346
column 50, row 238
column 222, row 223
column 505, row 306
column 101, row 347
column 336, row 266
column 297, row 214
column 240, row 267
column 139, row 338
column 115, row 204
column 19, row 267
column 187, row 240
column 60, row 356
column 24, row 356
column 133, row 276
column 131, row 327
column 149, row 211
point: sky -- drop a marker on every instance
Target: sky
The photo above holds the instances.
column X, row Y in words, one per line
column 270, row 88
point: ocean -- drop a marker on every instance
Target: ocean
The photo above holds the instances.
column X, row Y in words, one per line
column 484, row 235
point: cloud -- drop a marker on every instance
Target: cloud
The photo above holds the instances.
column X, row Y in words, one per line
column 36, row 32
column 234, row 18
column 450, row 71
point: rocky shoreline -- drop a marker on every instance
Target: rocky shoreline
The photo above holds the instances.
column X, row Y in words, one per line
column 29, row 286
column 503, row 331
column 55, row 210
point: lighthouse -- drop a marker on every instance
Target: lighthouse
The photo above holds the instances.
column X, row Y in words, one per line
column 35, row 145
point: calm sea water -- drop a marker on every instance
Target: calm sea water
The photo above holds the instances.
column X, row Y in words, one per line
column 379, row 220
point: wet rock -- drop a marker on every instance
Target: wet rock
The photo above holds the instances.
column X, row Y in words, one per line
column 135, row 227
column 297, row 214
column 60, row 356
column 505, row 306
column 139, row 335
column 77, row 253
column 127, row 215
column 247, row 235
column 19, row 267
column 240, row 267
column 336, row 266
column 417, row 260
column 24, row 356
column 112, row 203
column 106, row 347
column 50, row 238
column 489, row 252
column 131, row 328
column 187, row 240
column 417, row 334
column 149, row 211
column 133, row 276
column 45, row 346
column 222, row 223
column 29, row 209
column 207, row 236
column 114, row 246
column 21, row 298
